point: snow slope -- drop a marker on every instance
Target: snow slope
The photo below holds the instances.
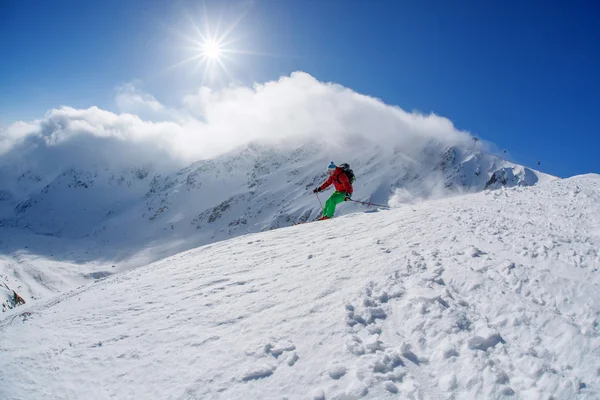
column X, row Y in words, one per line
column 486, row 295
column 91, row 221
column 40, row 266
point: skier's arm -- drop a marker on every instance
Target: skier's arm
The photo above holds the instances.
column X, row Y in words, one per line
column 325, row 185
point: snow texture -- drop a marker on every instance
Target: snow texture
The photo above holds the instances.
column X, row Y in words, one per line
column 486, row 295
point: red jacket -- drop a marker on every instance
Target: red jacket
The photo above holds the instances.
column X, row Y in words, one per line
column 339, row 180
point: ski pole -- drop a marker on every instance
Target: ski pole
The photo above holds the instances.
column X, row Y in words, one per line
column 322, row 209
column 369, row 203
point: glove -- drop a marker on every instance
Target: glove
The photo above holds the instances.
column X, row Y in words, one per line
column 317, row 190
column 348, row 197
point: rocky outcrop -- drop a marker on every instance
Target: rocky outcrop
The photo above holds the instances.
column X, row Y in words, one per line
column 510, row 177
column 9, row 298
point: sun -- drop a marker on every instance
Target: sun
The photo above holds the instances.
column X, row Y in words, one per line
column 211, row 50
column 210, row 47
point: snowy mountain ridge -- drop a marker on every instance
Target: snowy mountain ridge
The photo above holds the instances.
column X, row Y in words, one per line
column 486, row 295
column 85, row 199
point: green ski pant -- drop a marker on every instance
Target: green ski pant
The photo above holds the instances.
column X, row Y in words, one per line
column 335, row 199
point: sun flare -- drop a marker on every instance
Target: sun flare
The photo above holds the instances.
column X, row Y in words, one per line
column 212, row 47
column 211, row 50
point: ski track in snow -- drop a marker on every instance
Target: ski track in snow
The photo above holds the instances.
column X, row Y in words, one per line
column 492, row 295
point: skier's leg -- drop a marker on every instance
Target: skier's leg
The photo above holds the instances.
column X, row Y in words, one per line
column 330, row 204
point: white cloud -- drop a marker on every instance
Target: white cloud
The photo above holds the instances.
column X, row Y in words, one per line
column 292, row 109
column 14, row 134
column 132, row 100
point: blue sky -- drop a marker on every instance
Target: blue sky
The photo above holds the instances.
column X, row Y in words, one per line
column 521, row 74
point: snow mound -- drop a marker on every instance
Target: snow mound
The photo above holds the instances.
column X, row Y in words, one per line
column 478, row 296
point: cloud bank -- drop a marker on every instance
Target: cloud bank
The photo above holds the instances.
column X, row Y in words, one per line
column 293, row 109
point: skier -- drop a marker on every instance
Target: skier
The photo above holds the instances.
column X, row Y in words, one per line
column 343, row 190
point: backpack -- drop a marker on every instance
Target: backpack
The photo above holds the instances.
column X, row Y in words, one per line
column 349, row 173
